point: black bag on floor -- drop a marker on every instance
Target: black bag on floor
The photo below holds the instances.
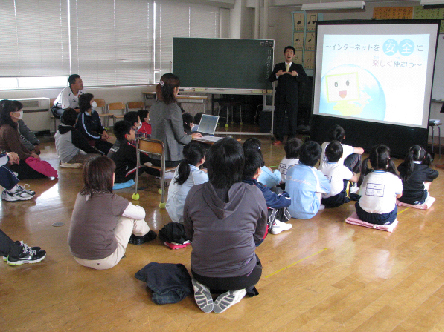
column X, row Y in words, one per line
column 173, row 232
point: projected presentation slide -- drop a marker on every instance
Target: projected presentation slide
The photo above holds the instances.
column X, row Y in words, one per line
column 375, row 72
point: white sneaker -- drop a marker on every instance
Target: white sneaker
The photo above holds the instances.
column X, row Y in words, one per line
column 25, row 189
column 202, row 295
column 226, row 300
column 279, row 226
column 18, row 195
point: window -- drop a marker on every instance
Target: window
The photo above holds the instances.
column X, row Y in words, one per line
column 34, row 38
column 107, row 42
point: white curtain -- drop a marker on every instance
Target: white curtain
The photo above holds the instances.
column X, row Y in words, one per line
column 107, row 42
column 34, row 39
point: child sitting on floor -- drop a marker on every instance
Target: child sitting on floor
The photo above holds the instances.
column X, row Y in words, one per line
column 380, row 188
column 338, row 175
column 305, row 183
column 102, row 222
column 351, row 156
column 277, row 204
column 72, row 147
column 124, row 154
column 267, row 177
column 187, row 174
column 291, row 157
column 417, row 176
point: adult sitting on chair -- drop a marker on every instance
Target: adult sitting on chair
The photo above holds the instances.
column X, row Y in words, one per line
column 88, row 123
column 69, row 96
column 166, row 121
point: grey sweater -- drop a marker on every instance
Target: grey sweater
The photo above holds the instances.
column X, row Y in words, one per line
column 167, row 126
column 223, row 234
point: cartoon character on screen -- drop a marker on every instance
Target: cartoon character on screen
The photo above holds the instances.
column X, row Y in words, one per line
column 349, row 90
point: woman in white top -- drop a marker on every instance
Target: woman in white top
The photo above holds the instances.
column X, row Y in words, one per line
column 187, row 174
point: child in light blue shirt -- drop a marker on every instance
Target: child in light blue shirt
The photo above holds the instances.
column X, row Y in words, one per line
column 267, row 177
column 305, row 183
column 187, row 175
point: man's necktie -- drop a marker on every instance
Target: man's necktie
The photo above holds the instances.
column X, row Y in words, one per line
column 287, row 67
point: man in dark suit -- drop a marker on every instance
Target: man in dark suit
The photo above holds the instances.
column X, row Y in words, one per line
column 288, row 75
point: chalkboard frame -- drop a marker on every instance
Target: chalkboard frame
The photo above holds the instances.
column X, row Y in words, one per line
column 223, row 63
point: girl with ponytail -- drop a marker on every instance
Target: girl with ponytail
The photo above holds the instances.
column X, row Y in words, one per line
column 417, row 176
column 187, row 174
column 380, row 188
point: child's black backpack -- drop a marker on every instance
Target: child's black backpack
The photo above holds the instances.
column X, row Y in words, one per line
column 173, row 232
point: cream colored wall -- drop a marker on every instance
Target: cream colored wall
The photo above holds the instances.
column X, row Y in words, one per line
column 111, row 94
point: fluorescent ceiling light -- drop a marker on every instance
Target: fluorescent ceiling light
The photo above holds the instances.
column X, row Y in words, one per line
column 335, row 5
column 431, row 2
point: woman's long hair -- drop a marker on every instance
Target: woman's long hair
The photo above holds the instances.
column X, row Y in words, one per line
column 85, row 102
column 193, row 153
column 165, row 88
column 6, row 107
column 98, row 176
column 416, row 153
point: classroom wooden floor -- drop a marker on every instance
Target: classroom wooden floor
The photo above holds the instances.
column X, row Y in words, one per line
column 322, row 275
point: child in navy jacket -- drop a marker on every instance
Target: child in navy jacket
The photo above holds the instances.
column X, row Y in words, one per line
column 124, row 154
column 277, row 203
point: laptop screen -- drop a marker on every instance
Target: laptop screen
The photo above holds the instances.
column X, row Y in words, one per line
column 208, row 124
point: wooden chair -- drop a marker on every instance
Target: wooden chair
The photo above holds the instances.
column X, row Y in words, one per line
column 103, row 114
column 135, row 105
column 152, row 147
column 117, row 106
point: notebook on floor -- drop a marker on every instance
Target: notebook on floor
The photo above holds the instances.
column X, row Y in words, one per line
column 208, row 124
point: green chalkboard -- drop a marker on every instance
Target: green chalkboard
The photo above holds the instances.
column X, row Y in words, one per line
column 223, row 63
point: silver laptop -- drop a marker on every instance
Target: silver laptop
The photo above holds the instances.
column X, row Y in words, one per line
column 208, row 124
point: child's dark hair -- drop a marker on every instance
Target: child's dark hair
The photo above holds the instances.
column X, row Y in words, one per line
column 225, row 161
column 253, row 143
column 253, row 161
column 197, row 118
column 193, row 153
column 142, row 114
column 131, row 117
column 85, row 102
column 18, row 105
column 122, row 128
column 416, row 153
column 6, row 107
column 69, row 116
column 187, row 119
column 379, row 158
column 310, row 153
column 337, row 133
column 98, row 176
column 333, row 151
column 165, row 88
column 292, row 148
